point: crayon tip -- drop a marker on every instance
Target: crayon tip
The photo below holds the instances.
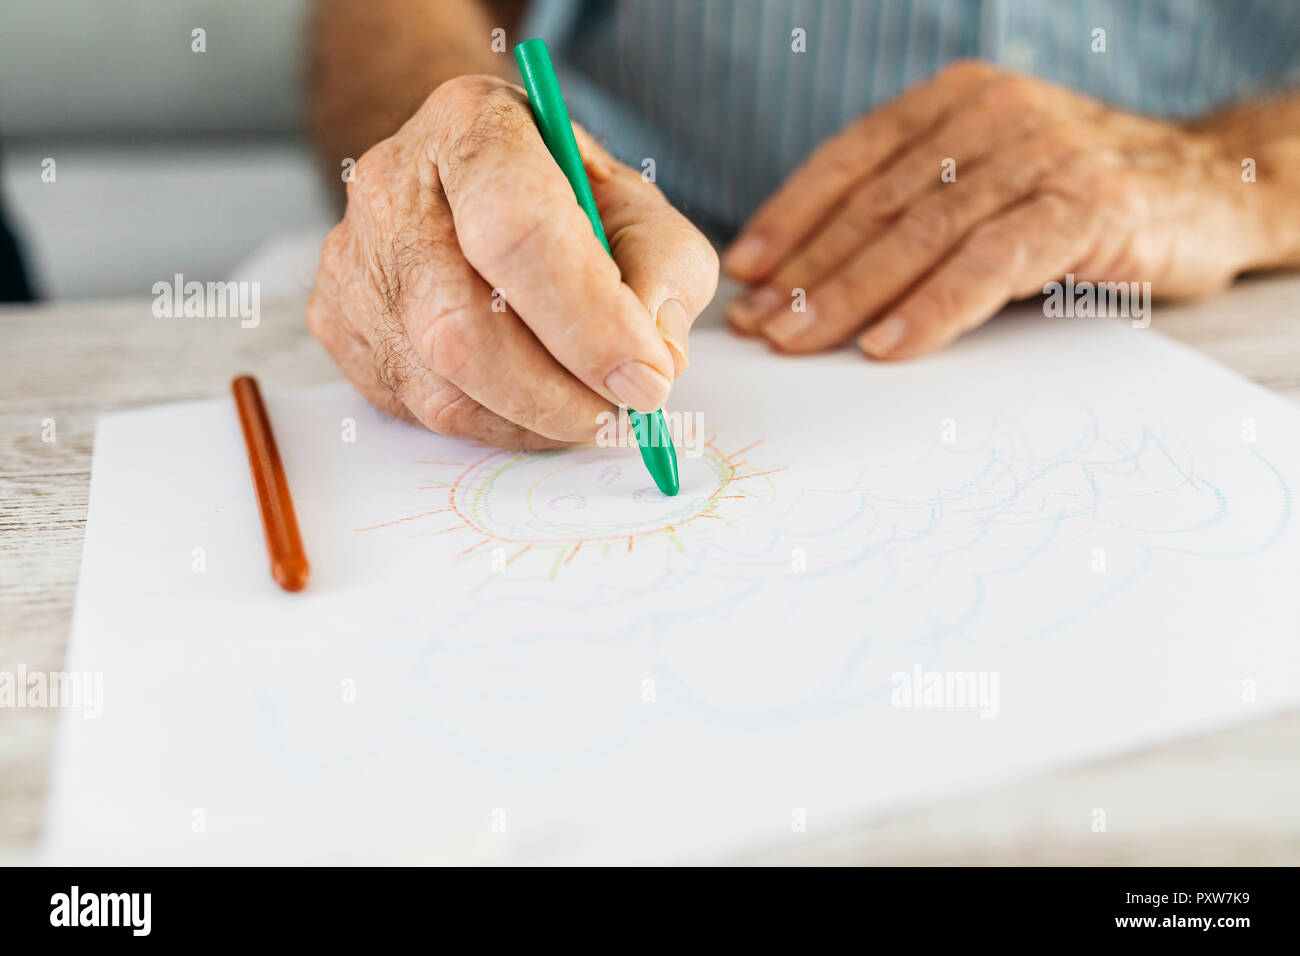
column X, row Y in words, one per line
column 291, row 572
column 661, row 458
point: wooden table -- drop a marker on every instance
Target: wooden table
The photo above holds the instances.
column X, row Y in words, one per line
column 1227, row 797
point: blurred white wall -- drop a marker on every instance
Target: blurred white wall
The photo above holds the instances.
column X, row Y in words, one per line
column 166, row 160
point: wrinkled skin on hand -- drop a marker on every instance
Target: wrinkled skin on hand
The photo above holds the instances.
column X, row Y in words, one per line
column 465, row 290
column 1047, row 182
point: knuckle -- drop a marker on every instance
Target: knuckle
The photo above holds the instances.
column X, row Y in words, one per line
column 324, row 315
column 837, row 159
column 697, row 264
column 929, row 225
column 840, row 238
column 457, row 91
column 1011, row 178
column 1016, row 92
column 1056, row 139
column 453, row 104
column 1054, row 210
column 993, row 248
column 454, row 414
column 529, row 416
column 965, row 70
column 447, row 343
column 367, row 187
column 558, row 416
column 880, row 197
column 712, row 265
column 561, row 426
column 383, row 400
column 321, row 320
column 844, row 235
column 495, row 115
column 807, row 265
column 936, row 304
column 333, row 251
column 838, row 303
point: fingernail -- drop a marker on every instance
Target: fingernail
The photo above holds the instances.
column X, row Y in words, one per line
column 638, row 386
column 744, row 256
column 674, row 329
column 879, row 340
column 749, row 308
column 788, row 326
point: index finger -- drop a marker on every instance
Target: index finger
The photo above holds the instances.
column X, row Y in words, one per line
column 521, row 228
column 838, row 164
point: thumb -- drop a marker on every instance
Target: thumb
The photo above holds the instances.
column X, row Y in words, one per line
column 664, row 259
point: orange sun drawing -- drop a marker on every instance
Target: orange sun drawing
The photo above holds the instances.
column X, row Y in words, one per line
column 559, row 503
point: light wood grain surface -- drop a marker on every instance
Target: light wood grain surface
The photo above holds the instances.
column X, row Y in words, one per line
column 1232, row 796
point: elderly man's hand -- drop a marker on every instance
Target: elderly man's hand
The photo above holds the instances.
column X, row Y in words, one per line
column 465, row 288
column 1047, row 182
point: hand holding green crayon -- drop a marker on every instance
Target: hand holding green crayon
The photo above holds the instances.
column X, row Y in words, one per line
column 466, row 289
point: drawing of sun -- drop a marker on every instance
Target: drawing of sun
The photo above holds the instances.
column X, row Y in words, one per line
column 564, row 502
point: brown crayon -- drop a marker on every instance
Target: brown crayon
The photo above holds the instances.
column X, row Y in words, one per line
column 289, row 564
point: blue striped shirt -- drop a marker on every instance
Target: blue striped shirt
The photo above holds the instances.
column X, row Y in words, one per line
column 714, row 92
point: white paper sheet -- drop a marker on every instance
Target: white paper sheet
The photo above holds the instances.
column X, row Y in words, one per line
column 541, row 659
